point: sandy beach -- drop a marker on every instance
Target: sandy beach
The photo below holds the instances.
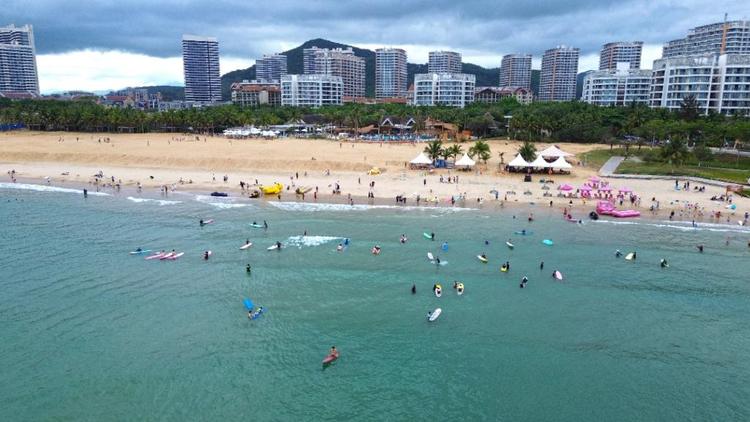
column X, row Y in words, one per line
column 200, row 163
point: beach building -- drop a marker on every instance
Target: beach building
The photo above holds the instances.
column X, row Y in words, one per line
column 557, row 81
column 444, row 62
column 18, row 71
column 390, row 73
column 337, row 62
column 311, row 90
column 446, row 89
column 515, row 71
column 256, row 93
column 491, row 94
column 614, row 53
column 270, row 67
column 719, row 83
column 200, row 61
column 717, row 38
column 619, row 87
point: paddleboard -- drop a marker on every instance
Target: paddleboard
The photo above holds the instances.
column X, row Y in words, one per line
column 504, row 269
column 328, row 359
column 175, row 256
column 434, row 314
column 558, row 275
column 167, row 256
column 208, row 221
column 548, row 242
column 273, row 247
column 629, row 256
column 460, row 289
column 481, row 258
column 247, row 245
column 524, row 234
column 141, row 252
column 155, row 256
column 439, row 291
column 445, row 246
column 248, row 304
column 510, row 245
column 256, row 225
column 427, row 236
column 430, row 256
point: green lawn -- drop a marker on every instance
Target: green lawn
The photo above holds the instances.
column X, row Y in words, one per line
column 723, row 167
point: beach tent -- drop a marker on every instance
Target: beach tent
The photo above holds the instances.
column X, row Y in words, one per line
column 565, row 187
column 465, row 161
column 518, row 162
column 554, row 152
column 540, row 163
column 561, row 164
column 421, row 159
column 585, row 188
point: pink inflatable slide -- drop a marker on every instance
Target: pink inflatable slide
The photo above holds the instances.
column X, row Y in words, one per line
column 608, row 208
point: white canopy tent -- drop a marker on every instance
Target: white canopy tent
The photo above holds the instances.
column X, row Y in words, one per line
column 421, row 159
column 540, row 163
column 465, row 161
column 554, row 152
column 518, row 162
column 561, row 164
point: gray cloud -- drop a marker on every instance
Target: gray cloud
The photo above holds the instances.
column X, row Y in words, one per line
column 251, row 28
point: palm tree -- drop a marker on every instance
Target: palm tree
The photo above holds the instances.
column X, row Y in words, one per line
column 453, row 151
column 434, row 149
column 527, row 151
column 481, row 150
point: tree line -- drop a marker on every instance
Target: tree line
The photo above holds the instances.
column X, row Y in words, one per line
column 558, row 121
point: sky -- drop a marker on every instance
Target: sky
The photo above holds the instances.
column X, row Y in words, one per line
column 99, row 45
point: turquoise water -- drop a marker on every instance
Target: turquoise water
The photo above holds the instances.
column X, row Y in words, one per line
column 91, row 333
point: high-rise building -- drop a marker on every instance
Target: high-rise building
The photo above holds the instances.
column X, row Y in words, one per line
column 337, row 62
column 18, row 73
column 270, row 67
column 620, row 52
column 200, row 61
column 515, row 71
column 619, row 87
column 390, row 73
column 557, row 81
column 311, row 90
column 719, row 83
column 444, row 62
column 717, row 38
column 446, row 89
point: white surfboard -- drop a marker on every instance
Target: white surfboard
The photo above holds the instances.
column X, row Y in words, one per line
column 272, row 247
column 629, row 256
column 435, row 314
column 558, row 275
column 510, row 245
column 460, row 289
column 438, row 292
column 481, row 258
column 430, row 256
column 247, row 245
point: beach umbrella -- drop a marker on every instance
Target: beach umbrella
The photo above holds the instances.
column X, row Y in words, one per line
column 586, row 188
column 605, row 188
column 565, row 187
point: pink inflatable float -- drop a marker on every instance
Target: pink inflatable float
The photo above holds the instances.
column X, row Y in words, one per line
column 608, row 208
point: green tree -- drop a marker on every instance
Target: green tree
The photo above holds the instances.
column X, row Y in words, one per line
column 689, row 108
column 453, row 151
column 702, row 153
column 527, row 151
column 434, row 150
column 481, row 150
column 675, row 152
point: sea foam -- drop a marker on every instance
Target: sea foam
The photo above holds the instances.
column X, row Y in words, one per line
column 43, row 188
column 321, row 207
column 161, row 202
column 223, row 203
column 300, row 241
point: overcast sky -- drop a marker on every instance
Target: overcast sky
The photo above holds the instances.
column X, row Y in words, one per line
column 98, row 45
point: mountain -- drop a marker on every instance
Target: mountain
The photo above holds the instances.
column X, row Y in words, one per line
column 294, row 59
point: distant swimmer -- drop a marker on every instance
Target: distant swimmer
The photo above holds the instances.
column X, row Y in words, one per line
column 664, row 263
column 618, row 253
column 340, row 247
column 248, row 269
column 85, row 193
column 278, row 245
column 403, row 238
column 206, row 255
column 487, row 242
column 265, row 225
column 346, row 242
column 413, row 289
column 432, row 236
column 541, row 265
column 700, row 248
column 524, row 280
column 201, row 223
column 507, row 265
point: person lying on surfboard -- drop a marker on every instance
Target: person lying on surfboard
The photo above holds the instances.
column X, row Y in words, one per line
column 334, row 352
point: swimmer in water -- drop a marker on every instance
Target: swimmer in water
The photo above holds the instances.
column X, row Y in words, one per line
column 618, row 253
column 524, row 280
column 413, row 288
column 664, row 263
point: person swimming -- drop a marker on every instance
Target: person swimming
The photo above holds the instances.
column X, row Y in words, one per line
column 524, row 280
column 265, row 225
column 618, row 253
column 700, row 248
column 413, row 288
column 278, row 245
column 507, row 265
column 340, row 247
column 541, row 265
column 205, row 255
column 432, row 236
column 663, row 263
column 248, row 269
column 201, row 223
column 487, row 242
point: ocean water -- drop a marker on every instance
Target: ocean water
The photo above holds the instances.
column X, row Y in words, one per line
column 91, row 333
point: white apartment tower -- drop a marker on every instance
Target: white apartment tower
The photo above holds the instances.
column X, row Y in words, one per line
column 200, row 61
column 619, row 87
column 18, row 72
column 444, row 62
column 311, row 90
column 515, row 71
column 337, row 62
column 717, row 38
column 557, row 81
column 390, row 73
column 445, row 89
column 620, row 52
column 271, row 67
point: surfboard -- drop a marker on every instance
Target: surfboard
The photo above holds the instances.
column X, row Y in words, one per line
column 329, row 359
column 430, row 256
column 258, row 313
column 629, row 256
column 434, row 314
column 247, row 245
column 273, row 247
column 460, row 289
column 141, row 252
column 248, row 304
column 524, row 233
column 256, row 225
column 427, row 236
column 481, row 258
column 510, row 245
column 504, row 269
column 548, row 242
column 209, row 221
column 558, row 275
column 439, row 291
